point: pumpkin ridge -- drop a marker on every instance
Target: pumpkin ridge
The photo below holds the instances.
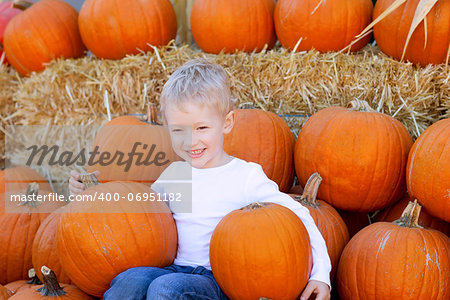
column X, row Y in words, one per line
column 329, row 161
column 12, row 54
column 437, row 163
column 7, row 252
column 72, row 232
column 68, row 35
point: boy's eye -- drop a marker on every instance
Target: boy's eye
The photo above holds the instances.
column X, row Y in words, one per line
column 176, row 130
column 202, row 127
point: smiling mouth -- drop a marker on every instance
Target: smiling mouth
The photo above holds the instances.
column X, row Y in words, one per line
column 196, row 153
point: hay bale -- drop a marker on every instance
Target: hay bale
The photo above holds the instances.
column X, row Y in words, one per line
column 74, row 91
column 9, row 80
column 294, row 85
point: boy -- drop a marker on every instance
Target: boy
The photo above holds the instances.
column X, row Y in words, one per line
column 196, row 105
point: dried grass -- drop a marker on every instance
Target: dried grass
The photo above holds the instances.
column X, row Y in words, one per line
column 74, row 91
column 9, row 80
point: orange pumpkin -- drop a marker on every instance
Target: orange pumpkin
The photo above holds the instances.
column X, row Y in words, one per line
column 428, row 171
column 327, row 219
column 261, row 250
column 124, row 133
column 399, row 260
column 329, row 25
column 19, row 226
column 134, row 233
column 361, row 155
column 423, row 48
column 233, row 25
column 44, row 248
column 51, row 289
column 113, row 29
column 390, row 214
column 47, row 30
column 264, row 138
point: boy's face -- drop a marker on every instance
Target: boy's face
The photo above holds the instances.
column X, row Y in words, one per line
column 197, row 133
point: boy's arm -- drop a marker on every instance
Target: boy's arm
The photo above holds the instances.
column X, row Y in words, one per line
column 260, row 188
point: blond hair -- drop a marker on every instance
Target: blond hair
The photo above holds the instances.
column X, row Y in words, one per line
column 200, row 81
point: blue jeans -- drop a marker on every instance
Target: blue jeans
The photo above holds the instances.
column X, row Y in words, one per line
column 171, row 283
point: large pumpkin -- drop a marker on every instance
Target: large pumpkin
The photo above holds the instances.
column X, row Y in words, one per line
column 261, row 250
column 7, row 12
column 233, row 25
column 361, row 155
column 329, row 25
column 430, row 47
column 51, row 289
column 428, row 171
column 99, row 239
column 264, row 138
column 392, row 213
column 18, row 226
column 44, row 248
column 47, row 30
column 124, row 133
column 399, row 260
column 113, row 29
column 327, row 219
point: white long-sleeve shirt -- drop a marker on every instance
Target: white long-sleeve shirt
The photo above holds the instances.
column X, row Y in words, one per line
column 215, row 192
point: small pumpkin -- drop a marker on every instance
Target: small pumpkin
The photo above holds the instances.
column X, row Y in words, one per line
column 19, row 228
column 45, row 31
column 263, row 137
column 7, row 12
column 243, row 248
column 44, row 250
column 392, row 213
column 123, row 227
column 399, row 260
column 113, row 29
column 428, row 46
column 233, row 25
column 125, row 133
column 327, row 219
column 360, row 153
column 329, row 25
column 51, row 289
column 428, row 171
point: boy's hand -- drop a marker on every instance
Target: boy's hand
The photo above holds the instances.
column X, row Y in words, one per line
column 320, row 289
column 75, row 185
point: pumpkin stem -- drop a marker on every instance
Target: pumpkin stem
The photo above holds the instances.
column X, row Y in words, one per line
column 21, row 4
column 360, row 105
column 309, row 196
column 254, row 205
column 34, row 278
column 410, row 216
column 31, row 193
column 51, row 286
column 152, row 115
column 89, row 179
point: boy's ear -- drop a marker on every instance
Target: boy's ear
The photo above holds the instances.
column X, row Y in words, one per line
column 229, row 122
